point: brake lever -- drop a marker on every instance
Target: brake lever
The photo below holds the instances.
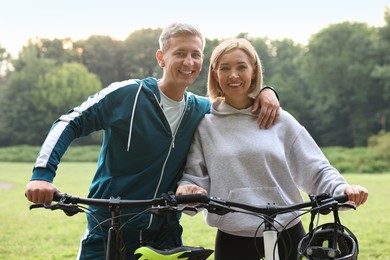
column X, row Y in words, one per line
column 216, row 209
column 346, row 206
column 161, row 211
column 68, row 209
column 36, row 206
column 330, row 206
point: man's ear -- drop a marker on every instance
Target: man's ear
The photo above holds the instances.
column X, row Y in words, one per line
column 160, row 58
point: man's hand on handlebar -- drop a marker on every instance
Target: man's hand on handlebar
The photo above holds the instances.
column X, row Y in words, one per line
column 40, row 192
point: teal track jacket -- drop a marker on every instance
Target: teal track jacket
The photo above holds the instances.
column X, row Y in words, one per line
column 140, row 157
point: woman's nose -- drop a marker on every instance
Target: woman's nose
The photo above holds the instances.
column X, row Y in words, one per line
column 234, row 74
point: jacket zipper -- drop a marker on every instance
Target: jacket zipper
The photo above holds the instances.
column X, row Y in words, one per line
column 172, row 146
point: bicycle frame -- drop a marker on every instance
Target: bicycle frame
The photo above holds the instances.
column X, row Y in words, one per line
column 69, row 204
column 322, row 203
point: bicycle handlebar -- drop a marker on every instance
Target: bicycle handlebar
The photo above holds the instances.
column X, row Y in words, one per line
column 167, row 199
column 322, row 201
column 68, row 203
column 318, row 200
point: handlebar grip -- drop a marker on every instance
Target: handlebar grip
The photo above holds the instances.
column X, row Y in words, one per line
column 192, row 198
column 341, row 198
column 57, row 196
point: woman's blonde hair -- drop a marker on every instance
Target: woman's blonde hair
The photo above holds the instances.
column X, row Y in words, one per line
column 213, row 88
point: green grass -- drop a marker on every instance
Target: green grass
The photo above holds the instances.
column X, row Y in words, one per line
column 42, row 234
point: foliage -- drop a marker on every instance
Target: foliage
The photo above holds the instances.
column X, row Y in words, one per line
column 67, row 85
column 38, row 94
column 338, row 75
column 283, row 72
column 337, row 86
column 5, row 64
column 17, row 106
column 103, row 56
column 373, row 159
column 380, row 145
column 28, row 153
column 358, row 160
column 141, row 47
column 44, row 234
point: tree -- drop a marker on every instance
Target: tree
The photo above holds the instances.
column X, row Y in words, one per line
column 140, row 54
column 5, row 64
column 283, row 72
column 17, row 108
column 337, row 67
column 37, row 94
column 103, row 56
column 382, row 71
column 61, row 89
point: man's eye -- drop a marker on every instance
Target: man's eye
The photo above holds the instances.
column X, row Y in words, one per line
column 197, row 55
column 180, row 54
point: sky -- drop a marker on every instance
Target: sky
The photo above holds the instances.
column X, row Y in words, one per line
column 21, row 20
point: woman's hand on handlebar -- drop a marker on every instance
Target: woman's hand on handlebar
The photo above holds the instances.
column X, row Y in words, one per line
column 40, row 192
column 356, row 194
column 190, row 189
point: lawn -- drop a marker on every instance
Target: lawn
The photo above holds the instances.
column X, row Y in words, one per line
column 43, row 234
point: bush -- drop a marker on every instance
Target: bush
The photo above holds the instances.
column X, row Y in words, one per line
column 27, row 153
column 357, row 160
column 347, row 160
column 380, row 144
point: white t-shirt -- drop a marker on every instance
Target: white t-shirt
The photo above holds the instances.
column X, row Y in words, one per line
column 173, row 110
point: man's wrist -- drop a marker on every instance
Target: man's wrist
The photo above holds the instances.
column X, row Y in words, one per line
column 271, row 88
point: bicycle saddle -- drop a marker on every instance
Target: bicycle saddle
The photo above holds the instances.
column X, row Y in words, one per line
column 182, row 253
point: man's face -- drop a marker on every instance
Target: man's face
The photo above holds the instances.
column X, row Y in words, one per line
column 183, row 60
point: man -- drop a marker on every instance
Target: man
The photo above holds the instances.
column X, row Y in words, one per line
column 148, row 128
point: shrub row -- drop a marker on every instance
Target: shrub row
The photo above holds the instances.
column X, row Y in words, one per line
column 347, row 160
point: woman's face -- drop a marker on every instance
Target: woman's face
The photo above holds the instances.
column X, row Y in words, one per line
column 234, row 73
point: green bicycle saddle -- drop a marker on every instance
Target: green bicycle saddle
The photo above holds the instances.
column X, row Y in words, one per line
column 178, row 253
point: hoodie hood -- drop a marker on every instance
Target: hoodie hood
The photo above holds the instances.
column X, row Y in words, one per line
column 220, row 107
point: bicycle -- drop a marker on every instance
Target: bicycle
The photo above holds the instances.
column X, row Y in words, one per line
column 310, row 247
column 113, row 246
column 341, row 242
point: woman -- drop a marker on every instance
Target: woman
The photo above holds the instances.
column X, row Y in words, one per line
column 232, row 159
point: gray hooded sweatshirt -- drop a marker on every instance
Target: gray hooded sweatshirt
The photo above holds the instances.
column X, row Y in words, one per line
column 233, row 159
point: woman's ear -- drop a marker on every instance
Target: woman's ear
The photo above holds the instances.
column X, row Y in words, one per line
column 215, row 75
column 160, row 58
column 254, row 72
